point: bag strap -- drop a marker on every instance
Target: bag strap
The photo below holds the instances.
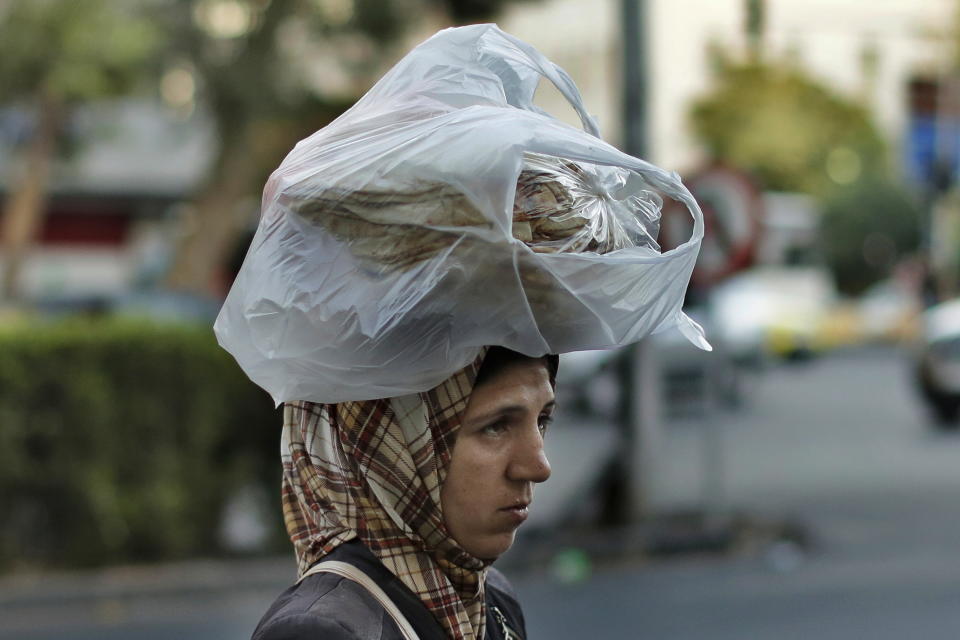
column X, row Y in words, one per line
column 351, row 572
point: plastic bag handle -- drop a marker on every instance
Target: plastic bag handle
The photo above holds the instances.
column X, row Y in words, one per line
column 560, row 80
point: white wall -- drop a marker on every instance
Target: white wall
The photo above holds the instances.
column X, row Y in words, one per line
column 66, row 271
column 583, row 37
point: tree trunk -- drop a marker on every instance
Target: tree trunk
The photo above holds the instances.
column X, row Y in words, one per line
column 208, row 236
column 26, row 201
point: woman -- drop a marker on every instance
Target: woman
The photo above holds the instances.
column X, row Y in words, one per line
column 422, row 493
column 443, row 211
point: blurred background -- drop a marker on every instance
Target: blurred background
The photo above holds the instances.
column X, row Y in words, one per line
column 799, row 481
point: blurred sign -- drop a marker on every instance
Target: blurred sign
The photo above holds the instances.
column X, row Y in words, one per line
column 932, row 149
column 732, row 214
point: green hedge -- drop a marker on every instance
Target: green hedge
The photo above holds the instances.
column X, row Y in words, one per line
column 122, row 440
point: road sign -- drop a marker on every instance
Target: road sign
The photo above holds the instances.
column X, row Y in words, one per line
column 732, row 214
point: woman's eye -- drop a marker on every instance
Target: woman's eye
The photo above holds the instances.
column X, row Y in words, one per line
column 496, row 428
column 544, row 422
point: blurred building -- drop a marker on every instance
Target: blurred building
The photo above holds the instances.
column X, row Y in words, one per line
column 114, row 196
column 871, row 50
column 790, row 228
column 109, row 222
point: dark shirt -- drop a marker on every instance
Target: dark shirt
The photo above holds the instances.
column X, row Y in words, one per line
column 325, row 606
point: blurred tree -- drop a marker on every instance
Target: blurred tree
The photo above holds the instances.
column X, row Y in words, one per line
column 270, row 72
column 57, row 54
column 866, row 228
column 795, row 134
column 786, row 128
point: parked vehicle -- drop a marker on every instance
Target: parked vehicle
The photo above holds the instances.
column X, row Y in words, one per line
column 691, row 381
column 773, row 312
column 937, row 363
column 889, row 312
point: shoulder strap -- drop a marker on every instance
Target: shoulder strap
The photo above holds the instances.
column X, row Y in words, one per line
column 351, row 572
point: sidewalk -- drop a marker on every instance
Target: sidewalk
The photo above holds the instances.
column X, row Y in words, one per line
column 578, row 450
column 185, row 578
column 63, row 603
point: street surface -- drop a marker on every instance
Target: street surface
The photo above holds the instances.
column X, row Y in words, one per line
column 839, row 444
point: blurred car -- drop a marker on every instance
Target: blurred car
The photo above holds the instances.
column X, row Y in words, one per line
column 937, row 362
column 889, row 312
column 774, row 311
column 691, row 381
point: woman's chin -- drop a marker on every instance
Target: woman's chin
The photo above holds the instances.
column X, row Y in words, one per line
column 491, row 547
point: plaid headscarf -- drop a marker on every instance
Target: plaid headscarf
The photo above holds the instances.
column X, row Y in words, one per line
column 372, row 470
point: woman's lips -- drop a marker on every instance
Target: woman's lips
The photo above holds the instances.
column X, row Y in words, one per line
column 518, row 512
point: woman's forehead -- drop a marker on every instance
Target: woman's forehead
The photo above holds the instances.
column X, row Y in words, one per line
column 522, row 381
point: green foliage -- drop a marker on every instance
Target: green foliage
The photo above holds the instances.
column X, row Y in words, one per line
column 73, row 50
column 795, row 134
column 260, row 71
column 122, row 440
column 865, row 228
column 783, row 126
column 285, row 67
column 469, row 11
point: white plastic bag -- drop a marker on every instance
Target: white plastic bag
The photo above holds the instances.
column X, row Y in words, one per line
column 444, row 212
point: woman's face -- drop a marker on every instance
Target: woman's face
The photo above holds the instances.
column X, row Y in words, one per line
column 497, row 458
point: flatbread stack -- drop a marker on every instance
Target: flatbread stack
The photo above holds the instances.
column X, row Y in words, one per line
column 554, row 211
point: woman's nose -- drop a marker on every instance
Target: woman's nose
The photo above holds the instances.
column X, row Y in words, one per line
column 529, row 462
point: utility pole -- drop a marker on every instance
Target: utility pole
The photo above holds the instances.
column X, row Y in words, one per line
column 633, row 21
column 756, row 18
column 640, row 376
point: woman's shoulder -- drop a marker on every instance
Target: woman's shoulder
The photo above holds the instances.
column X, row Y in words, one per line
column 499, row 584
column 325, row 607
column 504, row 615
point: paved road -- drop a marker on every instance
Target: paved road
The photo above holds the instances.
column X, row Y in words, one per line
column 840, row 444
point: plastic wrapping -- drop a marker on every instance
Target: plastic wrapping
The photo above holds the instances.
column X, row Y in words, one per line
column 444, row 212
